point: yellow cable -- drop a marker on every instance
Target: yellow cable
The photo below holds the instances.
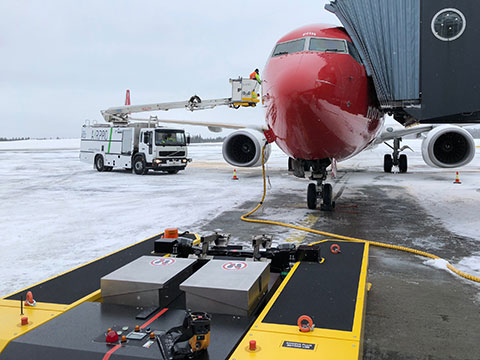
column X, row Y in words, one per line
column 244, row 217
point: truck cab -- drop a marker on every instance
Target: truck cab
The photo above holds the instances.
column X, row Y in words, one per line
column 161, row 149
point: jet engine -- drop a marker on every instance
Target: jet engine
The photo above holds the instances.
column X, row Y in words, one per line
column 243, row 148
column 448, row 146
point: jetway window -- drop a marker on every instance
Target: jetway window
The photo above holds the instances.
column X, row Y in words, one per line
column 327, row 45
column 289, row 47
column 448, row 24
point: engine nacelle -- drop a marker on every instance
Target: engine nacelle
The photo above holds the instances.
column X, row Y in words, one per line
column 448, row 146
column 243, row 148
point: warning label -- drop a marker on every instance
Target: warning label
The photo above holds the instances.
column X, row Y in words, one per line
column 162, row 262
column 297, row 345
column 234, row 265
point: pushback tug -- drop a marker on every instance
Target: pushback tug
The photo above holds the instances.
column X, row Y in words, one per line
column 189, row 297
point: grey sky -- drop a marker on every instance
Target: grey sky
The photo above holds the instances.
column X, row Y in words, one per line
column 63, row 61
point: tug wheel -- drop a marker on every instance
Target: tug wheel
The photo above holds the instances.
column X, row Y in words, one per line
column 305, row 323
column 335, row 248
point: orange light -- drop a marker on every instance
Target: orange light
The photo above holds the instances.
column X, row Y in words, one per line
column 171, row 233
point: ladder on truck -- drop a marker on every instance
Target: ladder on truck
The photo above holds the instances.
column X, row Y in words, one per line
column 244, row 93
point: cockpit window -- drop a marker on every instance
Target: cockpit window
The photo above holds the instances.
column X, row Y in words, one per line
column 289, row 47
column 354, row 52
column 327, row 45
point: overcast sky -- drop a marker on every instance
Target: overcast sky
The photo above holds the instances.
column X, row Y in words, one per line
column 63, row 61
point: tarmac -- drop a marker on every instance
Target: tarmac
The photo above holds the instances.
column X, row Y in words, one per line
column 414, row 310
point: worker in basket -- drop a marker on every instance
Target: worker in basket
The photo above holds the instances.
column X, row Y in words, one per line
column 256, row 76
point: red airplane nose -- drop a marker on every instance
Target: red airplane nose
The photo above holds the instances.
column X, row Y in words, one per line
column 309, row 99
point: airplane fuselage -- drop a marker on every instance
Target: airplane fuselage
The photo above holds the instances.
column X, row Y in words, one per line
column 319, row 102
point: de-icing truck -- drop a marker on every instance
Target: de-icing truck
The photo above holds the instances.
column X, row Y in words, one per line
column 137, row 146
column 127, row 143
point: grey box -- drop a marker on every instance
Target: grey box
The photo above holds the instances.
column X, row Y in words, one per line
column 146, row 281
column 227, row 287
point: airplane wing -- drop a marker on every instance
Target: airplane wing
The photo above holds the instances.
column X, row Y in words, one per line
column 390, row 133
column 212, row 126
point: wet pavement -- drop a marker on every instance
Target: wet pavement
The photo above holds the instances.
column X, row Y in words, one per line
column 414, row 311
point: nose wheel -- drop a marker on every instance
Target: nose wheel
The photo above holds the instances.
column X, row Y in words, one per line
column 321, row 192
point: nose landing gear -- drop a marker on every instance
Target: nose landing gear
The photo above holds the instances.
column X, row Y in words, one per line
column 320, row 190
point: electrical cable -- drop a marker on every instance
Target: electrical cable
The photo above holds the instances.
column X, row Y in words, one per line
column 244, row 217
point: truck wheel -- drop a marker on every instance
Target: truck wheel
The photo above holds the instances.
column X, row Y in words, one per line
column 139, row 166
column 99, row 163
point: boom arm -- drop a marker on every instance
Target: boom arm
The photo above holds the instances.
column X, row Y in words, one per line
column 244, row 93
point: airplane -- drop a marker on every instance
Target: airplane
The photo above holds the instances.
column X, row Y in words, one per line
column 320, row 108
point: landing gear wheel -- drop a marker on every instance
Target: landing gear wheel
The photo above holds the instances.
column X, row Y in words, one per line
column 387, row 163
column 312, row 196
column 99, row 163
column 139, row 166
column 327, row 204
column 172, row 171
column 108, row 168
column 402, row 163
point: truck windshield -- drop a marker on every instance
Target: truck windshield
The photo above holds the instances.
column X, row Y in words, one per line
column 169, row 137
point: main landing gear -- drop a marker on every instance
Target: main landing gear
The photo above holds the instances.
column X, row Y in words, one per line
column 396, row 159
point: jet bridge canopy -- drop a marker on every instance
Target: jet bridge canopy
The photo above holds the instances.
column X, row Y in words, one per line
column 420, row 54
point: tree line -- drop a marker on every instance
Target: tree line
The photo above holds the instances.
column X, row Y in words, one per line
column 14, row 139
column 200, row 139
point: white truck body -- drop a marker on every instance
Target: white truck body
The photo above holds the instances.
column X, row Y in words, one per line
column 136, row 146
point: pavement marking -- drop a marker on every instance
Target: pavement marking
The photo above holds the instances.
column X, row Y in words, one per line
column 298, row 236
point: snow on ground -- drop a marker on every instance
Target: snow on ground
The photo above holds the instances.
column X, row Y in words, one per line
column 58, row 212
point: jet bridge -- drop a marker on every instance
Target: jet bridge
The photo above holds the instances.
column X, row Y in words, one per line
column 421, row 55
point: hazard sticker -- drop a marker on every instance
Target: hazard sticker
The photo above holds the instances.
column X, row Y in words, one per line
column 234, row 265
column 162, row 262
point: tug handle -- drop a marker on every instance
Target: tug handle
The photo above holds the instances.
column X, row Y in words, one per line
column 305, row 327
column 335, row 249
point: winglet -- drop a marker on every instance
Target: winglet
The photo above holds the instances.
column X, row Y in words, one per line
column 127, row 98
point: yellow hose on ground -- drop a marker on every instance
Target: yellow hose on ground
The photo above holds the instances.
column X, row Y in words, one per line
column 244, row 217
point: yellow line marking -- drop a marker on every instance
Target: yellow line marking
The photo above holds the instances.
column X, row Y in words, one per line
column 299, row 236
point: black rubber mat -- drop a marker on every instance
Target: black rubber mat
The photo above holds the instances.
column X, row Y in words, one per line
column 75, row 335
column 326, row 292
column 76, row 284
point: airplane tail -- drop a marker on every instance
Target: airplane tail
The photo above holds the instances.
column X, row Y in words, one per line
column 127, row 98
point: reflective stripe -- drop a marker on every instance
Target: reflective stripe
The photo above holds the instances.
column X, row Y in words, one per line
column 110, row 140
